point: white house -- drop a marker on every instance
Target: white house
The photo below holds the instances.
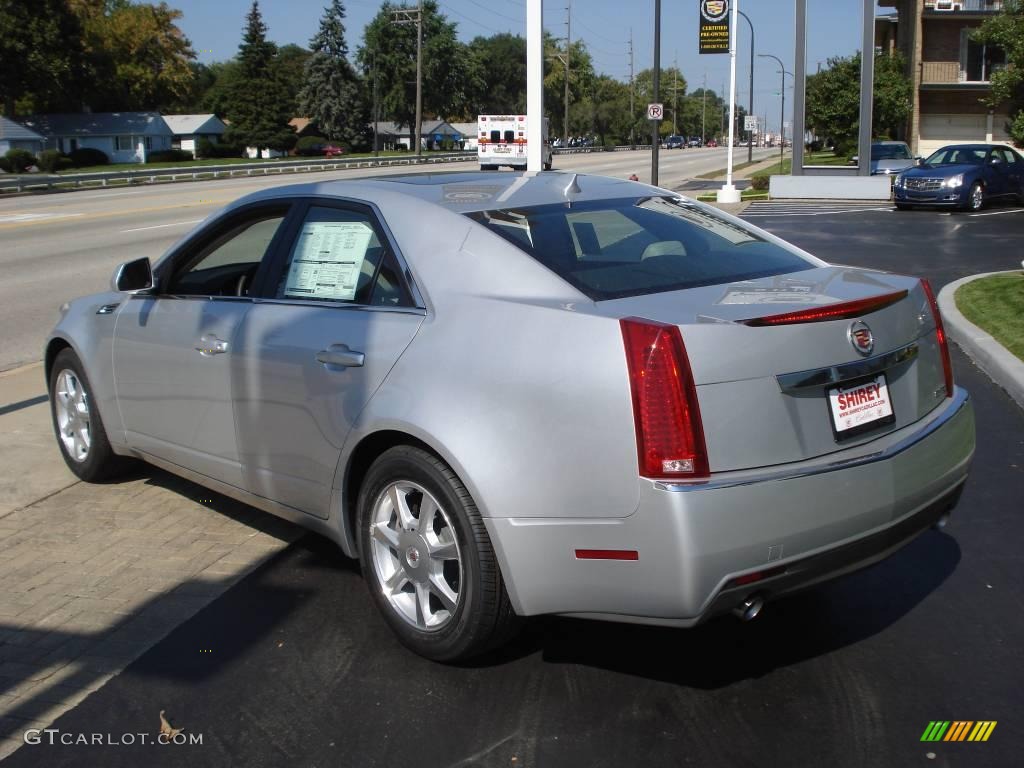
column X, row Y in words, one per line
column 124, row 137
column 16, row 136
column 469, row 134
column 433, row 135
column 188, row 129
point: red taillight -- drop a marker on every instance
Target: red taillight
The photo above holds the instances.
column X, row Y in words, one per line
column 607, row 554
column 669, row 434
column 832, row 312
column 940, row 333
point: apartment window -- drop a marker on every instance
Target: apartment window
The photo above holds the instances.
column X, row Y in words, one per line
column 978, row 60
column 124, row 144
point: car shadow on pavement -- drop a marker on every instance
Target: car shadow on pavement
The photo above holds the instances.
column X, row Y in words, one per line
column 790, row 630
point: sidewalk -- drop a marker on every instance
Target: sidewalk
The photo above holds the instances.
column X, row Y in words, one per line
column 94, row 575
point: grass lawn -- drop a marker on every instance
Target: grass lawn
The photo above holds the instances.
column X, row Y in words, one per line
column 811, row 158
column 996, row 304
column 746, row 194
column 211, row 161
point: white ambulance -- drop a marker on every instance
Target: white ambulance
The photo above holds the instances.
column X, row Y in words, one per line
column 501, row 140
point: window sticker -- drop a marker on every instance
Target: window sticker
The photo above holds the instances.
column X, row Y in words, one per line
column 327, row 260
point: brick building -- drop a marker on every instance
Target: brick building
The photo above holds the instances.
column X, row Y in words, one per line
column 950, row 72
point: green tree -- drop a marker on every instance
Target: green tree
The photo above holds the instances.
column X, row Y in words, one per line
column 1006, row 30
column 388, row 54
column 136, row 56
column 291, row 67
column 258, row 104
column 500, row 61
column 41, row 56
column 581, row 82
column 332, row 94
column 833, row 100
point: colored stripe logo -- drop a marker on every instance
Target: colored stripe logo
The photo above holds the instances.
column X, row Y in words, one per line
column 958, row 730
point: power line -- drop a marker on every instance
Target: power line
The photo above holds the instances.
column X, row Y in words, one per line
column 495, row 13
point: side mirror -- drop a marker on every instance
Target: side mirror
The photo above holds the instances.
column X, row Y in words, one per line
column 918, row 160
column 133, row 276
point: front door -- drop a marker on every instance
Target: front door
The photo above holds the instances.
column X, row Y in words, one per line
column 334, row 316
column 172, row 348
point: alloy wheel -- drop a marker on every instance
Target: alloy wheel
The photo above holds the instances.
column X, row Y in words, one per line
column 977, row 197
column 74, row 424
column 416, row 557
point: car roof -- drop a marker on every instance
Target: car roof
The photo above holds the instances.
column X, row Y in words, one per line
column 887, row 143
column 463, row 192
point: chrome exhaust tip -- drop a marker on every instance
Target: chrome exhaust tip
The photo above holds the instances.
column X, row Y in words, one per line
column 749, row 609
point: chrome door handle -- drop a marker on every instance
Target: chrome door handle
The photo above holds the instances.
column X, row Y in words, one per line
column 210, row 345
column 341, row 356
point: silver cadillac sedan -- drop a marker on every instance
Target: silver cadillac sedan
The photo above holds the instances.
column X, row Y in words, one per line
column 512, row 395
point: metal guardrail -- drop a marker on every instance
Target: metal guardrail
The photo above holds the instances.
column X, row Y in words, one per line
column 22, row 183
column 582, row 150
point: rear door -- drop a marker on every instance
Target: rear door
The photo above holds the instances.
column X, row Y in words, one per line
column 173, row 348
column 334, row 316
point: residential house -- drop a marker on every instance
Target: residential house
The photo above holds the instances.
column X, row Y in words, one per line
column 189, row 129
column 16, row 136
column 469, row 134
column 950, row 72
column 124, row 137
column 434, row 134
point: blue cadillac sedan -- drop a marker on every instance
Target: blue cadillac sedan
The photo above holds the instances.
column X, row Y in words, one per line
column 962, row 176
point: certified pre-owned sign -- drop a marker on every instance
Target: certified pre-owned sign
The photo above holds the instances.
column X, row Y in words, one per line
column 714, row 26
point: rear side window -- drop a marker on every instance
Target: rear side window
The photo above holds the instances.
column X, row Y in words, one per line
column 615, row 248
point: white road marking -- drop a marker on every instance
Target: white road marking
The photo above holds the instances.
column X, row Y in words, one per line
column 816, row 213
column 12, row 218
column 160, row 226
column 997, row 213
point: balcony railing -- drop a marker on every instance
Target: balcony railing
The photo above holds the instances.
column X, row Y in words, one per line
column 968, row 6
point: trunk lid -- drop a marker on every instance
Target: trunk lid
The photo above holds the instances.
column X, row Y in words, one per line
column 764, row 391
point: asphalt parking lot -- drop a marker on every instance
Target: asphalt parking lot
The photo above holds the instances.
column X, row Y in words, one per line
column 293, row 667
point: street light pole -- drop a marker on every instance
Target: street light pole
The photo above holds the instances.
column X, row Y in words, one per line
column 782, row 118
column 655, row 84
column 750, row 107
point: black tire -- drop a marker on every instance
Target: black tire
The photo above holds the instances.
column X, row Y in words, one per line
column 902, row 207
column 483, row 617
column 976, row 201
column 98, row 462
column 547, row 166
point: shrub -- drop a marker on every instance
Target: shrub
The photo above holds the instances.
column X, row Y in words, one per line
column 5, row 165
column 169, row 156
column 52, row 160
column 760, row 181
column 86, row 156
column 207, row 149
column 20, row 160
column 310, row 145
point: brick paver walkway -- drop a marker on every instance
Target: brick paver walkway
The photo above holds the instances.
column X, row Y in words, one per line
column 94, row 575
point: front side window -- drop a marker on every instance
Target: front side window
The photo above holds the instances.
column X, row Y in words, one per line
column 338, row 256
column 610, row 249
column 226, row 265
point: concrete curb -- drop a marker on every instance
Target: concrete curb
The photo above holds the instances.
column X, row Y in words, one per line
column 1003, row 367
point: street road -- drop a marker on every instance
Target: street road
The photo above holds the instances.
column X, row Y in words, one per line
column 59, row 246
column 294, row 667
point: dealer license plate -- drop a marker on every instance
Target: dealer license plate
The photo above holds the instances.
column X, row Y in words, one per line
column 861, row 406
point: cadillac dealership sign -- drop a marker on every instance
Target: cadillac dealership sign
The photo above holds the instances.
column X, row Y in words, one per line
column 714, row 26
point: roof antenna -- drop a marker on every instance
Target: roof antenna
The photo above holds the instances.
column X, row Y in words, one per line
column 573, row 188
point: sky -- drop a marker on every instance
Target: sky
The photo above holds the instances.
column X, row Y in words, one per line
column 833, row 29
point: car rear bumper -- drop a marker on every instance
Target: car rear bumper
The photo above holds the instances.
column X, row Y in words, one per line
column 796, row 526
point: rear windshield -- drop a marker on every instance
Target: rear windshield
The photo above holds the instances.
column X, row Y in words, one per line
column 890, row 152
column 614, row 248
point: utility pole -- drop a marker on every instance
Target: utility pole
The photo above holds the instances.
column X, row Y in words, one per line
column 376, row 109
column 410, row 16
column 568, row 49
column 632, row 94
column 675, row 94
column 704, row 111
column 655, row 84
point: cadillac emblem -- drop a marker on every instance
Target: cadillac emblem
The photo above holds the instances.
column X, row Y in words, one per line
column 860, row 337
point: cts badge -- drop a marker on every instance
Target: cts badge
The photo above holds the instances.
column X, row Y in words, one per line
column 861, row 337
